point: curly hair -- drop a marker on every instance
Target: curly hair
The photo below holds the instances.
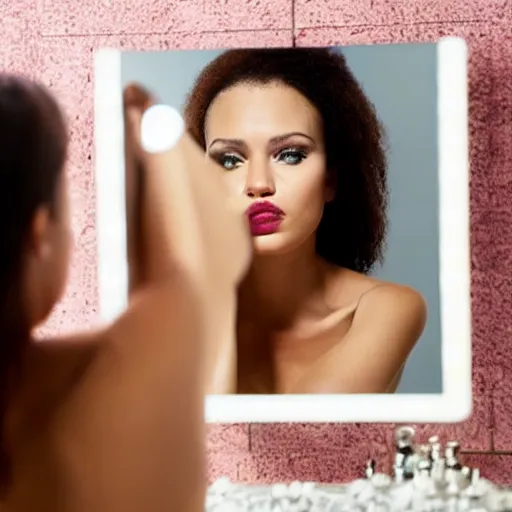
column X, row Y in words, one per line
column 352, row 230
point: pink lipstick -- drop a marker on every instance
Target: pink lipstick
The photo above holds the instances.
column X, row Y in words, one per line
column 264, row 218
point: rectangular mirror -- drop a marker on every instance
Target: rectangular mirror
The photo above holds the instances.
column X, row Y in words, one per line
column 272, row 124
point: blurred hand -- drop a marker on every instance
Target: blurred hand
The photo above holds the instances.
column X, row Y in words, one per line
column 226, row 244
column 135, row 100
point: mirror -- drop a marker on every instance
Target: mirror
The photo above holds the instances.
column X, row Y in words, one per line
column 354, row 161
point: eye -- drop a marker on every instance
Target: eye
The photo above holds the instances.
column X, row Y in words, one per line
column 291, row 156
column 229, row 161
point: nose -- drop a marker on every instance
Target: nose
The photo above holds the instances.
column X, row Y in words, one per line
column 259, row 181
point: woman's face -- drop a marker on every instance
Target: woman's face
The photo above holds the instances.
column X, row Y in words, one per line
column 269, row 140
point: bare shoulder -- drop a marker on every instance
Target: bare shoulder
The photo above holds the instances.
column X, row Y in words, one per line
column 65, row 352
column 53, row 371
column 394, row 300
column 394, row 312
column 369, row 292
column 53, row 367
column 388, row 320
column 379, row 304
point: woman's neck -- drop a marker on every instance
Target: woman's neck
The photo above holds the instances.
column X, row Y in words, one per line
column 280, row 290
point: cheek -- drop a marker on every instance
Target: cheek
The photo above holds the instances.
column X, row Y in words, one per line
column 308, row 189
column 69, row 242
column 305, row 202
column 67, row 228
column 61, row 247
column 65, row 235
column 235, row 182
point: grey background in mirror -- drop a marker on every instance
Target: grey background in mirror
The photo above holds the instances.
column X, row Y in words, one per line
column 401, row 80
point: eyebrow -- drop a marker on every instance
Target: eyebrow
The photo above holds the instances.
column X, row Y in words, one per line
column 273, row 141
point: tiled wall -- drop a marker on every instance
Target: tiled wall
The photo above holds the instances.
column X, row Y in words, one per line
column 53, row 40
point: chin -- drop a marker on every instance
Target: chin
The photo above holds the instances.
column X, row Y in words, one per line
column 271, row 245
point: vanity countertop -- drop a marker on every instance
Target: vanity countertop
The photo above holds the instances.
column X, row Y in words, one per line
column 379, row 493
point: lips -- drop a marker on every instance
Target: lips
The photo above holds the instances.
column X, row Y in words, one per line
column 264, row 218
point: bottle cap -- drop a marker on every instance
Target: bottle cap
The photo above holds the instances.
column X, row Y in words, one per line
column 404, row 437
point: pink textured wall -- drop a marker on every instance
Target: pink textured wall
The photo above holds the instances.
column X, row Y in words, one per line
column 53, row 40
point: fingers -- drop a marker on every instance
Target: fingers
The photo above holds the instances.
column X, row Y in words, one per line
column 136, row 96
column 136, row 100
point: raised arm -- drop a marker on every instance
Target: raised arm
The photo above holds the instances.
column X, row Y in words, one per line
column 207, row 251
column 135, row 424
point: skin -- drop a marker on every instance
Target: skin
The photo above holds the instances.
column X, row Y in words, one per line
column 304, row 326
column 113, row 419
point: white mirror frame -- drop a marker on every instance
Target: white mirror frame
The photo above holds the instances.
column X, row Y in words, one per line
column 455, row 402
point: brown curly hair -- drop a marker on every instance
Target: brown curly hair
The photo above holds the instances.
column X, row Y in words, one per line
column 352, row 230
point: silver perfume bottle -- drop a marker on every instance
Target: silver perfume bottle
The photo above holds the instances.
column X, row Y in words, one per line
column 405, row 455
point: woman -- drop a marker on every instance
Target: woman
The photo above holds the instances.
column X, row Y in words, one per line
column 299, row 139
column 109, row 420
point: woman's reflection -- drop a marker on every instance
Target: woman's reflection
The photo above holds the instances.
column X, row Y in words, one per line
column 298, row 138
